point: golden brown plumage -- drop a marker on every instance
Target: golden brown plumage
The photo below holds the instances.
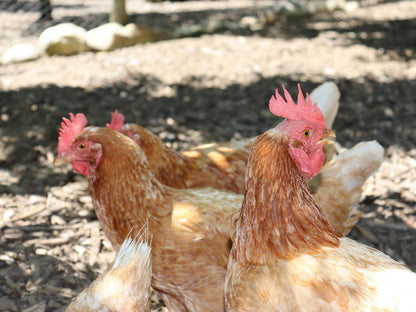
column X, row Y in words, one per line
column 219, row 166
column 272, row 221
column 190, row 227
column 286, row 257
column 125, row 287
column 222, row 165
column 337, row 188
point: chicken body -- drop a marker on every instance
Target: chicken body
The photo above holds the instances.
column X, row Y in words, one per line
column 337, row 188
column 190, row 227
column 125, row 287
column 222, row 166
column 286, row 257
column 349, row 278
column 217, row 165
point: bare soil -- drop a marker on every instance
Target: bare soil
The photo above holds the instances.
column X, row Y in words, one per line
column 190, row 91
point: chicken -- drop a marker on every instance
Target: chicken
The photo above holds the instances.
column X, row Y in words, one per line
column 190, row 228
column 221, row 166
column 337, row 188
column 125, row 287
column 285, row 255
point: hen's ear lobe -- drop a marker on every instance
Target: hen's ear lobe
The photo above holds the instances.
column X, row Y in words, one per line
column 96, row 147
column 297, row 144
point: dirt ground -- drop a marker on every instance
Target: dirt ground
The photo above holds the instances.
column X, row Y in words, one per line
column 191, row 91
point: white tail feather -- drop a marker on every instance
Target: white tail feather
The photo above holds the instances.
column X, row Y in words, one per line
column 126, row 285
column 135, row 248
column 327, row 97
column 341, row 182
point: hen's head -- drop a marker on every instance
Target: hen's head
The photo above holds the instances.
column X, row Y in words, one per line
column 117, row 123
column 305, row 129
column 83, row 154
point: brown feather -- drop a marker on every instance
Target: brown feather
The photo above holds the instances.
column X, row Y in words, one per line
column 219, row 167
column 125, row 286
column 223, row 166
column 190, row 228
column 286, row 256
column 278, row 217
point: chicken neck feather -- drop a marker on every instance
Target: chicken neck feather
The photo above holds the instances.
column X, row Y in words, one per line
column 117, row 190
column 278, row 217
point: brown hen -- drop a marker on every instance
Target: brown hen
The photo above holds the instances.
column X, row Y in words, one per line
column 285, row 255
column 190, row 227
column 217, row 165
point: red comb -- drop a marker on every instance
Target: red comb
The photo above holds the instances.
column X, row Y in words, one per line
column 302, row 111
column 69, row 129
column 117, row 121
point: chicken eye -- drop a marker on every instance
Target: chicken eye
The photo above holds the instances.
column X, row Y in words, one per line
column 82, row 146
column 306, row 133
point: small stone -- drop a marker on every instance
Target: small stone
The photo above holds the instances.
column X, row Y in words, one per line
column 21, row 53
column 63, row 39
column 388, row 112
column 6, row 259
column 86, row 199
column 79, row 249
column 113, row 36
column 41, row 251
column 57, row 220
column 104, row 37
column 7, row 304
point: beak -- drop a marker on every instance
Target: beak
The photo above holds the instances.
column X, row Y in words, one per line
column 59, row 160
column 328, row 137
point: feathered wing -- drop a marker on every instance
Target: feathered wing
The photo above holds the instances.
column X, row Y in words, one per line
column 349, row 278
column 126, row 285
column 190, row 228
column 340, row 184
column 191, row 249
column 205, row 209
